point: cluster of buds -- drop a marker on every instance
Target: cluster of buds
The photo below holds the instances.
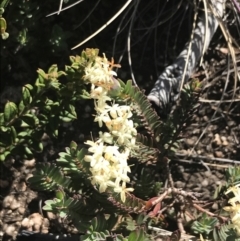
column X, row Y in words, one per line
column 109, row 154
column 234, row 210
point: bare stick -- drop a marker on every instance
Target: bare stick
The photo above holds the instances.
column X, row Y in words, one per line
column 105, row 25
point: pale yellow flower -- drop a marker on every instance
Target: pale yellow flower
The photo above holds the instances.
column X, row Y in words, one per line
column 234, row 210
column 106, row 137
column 100, row 73
column 123, row 190
column 108, row 165
column 102, row 118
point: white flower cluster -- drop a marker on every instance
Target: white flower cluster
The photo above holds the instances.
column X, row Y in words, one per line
column 100, row 73
column 235, row 208
column 109, row 154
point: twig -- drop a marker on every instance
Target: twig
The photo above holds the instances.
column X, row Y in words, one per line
column 218, row 101
column 176, row 191
column 180, row 222
column 209, row 213
column 63, row 9
column 210, row 158
column 205, row 164
column 105, row 25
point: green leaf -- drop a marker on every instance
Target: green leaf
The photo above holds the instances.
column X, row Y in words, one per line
column 69, row 114
column 66, row 119
column 2, row 157
column 60, row 194
column 13, row 134
column 2, row 118
column 4, row 129
column 23, row 134
column 30, row 120
column 53, row 69
column 27, row 98
column 21, row 107
column 42, row 75
column 37, row 146
column 133, row 236
column 28, row 151
column 10, row 111
column 73, row 145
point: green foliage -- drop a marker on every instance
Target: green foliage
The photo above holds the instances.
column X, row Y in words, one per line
column 49, row 177
column 169, row 133
column 211, row 228
column 232, row 178
column 233, row 175
column 43, row 108
column 77, row 199
column 224, row 232
column 23, row 124
column 162, row 137
column 50, row 102
column 149, row 118
column 204, row 226
column 146, row 187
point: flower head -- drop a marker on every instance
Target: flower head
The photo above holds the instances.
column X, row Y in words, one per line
column 100, row 73
column 123, row 190
column 109, row 154
column 234, row 210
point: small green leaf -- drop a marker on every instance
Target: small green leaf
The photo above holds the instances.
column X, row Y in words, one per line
column 60, row 194
column 53, row 69
column 27, row 98
column 73, row 145
column 133, row 236
column 10, row 111
column 2, row 157
column 28, row 151
column 23, row 134
column 66, row 119
column 21, row 107
column 13, row 134
column 42, row 74
column 30, row 120
column 37, row 146
column 1, row 118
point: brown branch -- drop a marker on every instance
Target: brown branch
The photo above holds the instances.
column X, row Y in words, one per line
column 199, row 208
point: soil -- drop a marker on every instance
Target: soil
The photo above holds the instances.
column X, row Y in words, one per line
column 209, row 146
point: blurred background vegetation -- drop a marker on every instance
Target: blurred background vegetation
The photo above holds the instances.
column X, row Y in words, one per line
column 36, row 41
column 159, row 31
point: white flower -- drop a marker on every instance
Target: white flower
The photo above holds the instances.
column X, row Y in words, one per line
column 96, row 147
column 108, row 163
column 106, row 137
column 235, row 208
column 97, row 93
column 102, row 118
column 91, row 159
column 99, row 73
column 101, row 181
column 123, row 190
